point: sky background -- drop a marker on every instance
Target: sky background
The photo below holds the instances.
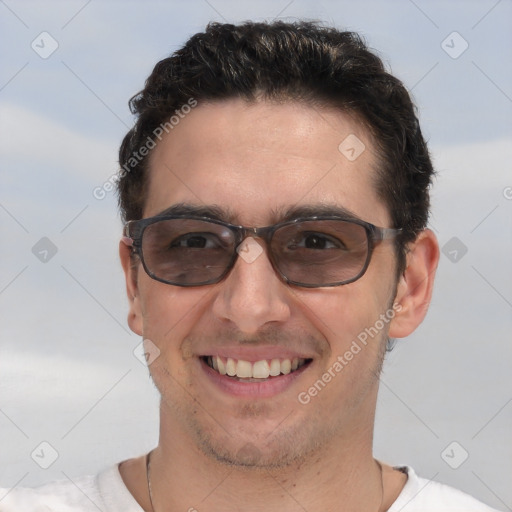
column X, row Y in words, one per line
column 68, row 372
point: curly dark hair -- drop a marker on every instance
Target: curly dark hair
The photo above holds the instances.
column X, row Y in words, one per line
column 301, row 61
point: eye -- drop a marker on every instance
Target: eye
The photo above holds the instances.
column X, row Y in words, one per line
column 196, row 241
column 316, row 241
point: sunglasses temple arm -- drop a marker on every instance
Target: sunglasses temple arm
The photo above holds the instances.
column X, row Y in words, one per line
column 388, row 233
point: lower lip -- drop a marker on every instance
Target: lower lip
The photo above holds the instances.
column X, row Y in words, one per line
column 265, row 389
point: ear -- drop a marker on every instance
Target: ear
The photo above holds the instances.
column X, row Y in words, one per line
column 415, row 286
column 130, row 274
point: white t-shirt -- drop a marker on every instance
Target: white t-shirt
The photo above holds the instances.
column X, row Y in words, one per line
column 107, row 492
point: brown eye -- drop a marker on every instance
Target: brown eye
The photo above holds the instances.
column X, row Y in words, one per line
column 196, row 241
column 315, row 241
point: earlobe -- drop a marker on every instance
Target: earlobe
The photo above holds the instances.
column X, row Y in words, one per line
column 415, row 286
column 135, row 311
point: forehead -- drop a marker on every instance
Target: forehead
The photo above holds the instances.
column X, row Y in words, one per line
column 256, row 159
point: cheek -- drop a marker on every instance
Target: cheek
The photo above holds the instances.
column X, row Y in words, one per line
column 341, row 314
column 347, row 321
column 350, row 321
column 168, row 312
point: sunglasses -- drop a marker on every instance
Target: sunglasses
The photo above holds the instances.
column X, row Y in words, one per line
column 308, row 252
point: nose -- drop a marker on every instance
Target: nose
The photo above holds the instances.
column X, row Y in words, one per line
column 252, row 295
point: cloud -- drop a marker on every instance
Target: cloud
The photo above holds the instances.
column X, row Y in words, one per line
column 41, row 144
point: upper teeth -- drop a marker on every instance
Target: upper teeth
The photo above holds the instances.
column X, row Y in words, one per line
column 258, row 370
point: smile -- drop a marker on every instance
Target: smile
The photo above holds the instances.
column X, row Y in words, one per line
column 247, row 371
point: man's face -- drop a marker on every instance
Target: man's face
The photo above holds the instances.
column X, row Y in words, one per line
column 255, row 161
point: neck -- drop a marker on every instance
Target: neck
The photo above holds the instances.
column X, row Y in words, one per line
column 184, row 478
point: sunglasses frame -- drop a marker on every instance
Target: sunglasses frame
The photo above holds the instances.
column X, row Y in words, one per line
column 134, row 230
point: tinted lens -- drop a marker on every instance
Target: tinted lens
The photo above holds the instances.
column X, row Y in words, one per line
column 322, row 252
column 187, row 251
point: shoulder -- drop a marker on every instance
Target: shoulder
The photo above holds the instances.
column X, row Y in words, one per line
column 422, row 495
column 62, row 495
column 105, row 492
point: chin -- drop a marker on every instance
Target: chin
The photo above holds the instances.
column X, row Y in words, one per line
column 251, row 456
column 281, row 445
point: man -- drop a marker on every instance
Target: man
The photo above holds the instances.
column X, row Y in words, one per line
column 275, row 194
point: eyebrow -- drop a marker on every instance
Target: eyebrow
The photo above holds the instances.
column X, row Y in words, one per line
column 210, row 211
column 277, row 215
column 313, row 210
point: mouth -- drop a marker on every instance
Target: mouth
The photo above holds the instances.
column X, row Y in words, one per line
column 257, row 371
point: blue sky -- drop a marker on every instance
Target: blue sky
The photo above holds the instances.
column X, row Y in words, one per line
column 68, row 375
